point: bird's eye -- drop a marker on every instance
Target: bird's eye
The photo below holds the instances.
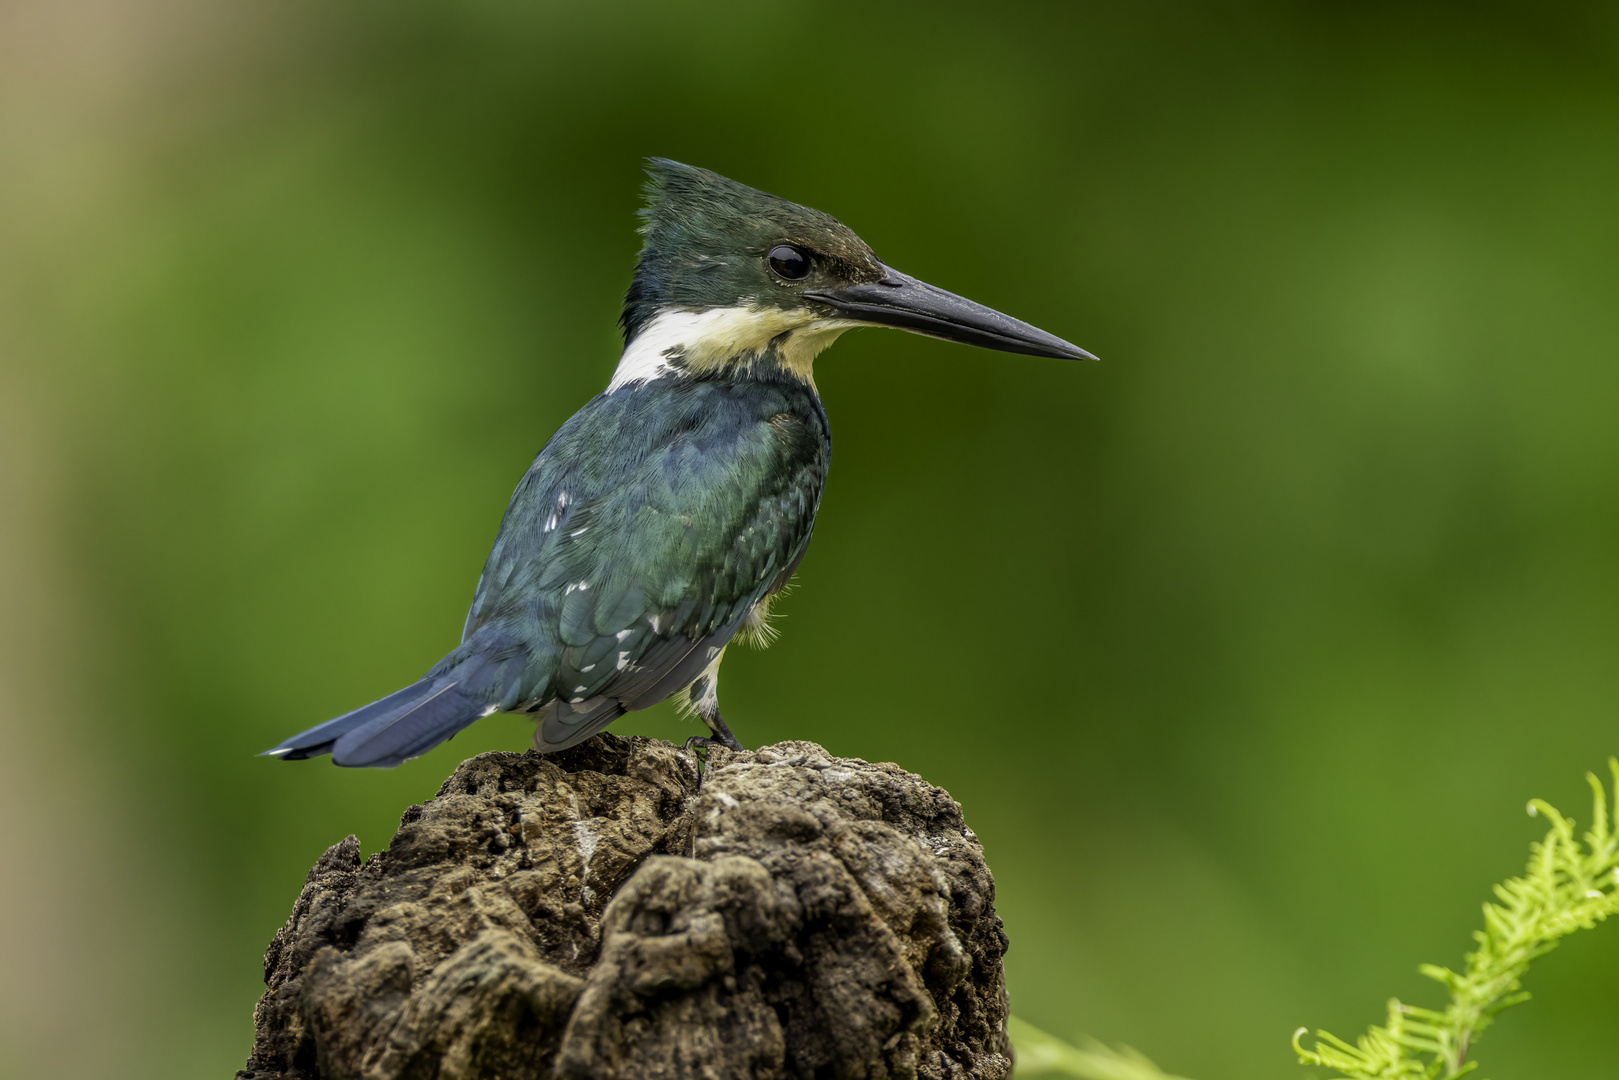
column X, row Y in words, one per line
column 790, row 263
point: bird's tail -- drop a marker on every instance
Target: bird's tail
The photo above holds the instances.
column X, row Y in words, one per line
column 405, row 724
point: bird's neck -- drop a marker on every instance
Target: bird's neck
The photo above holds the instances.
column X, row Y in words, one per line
column 739, row 342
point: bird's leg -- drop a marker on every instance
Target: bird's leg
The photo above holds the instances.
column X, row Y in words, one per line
column 704, row 697
column 701, row 744
column 722, row 733
column 722, row 736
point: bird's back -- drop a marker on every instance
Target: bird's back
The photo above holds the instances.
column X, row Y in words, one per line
column 640, row 538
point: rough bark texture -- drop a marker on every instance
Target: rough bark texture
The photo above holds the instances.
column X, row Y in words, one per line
column 595, row 914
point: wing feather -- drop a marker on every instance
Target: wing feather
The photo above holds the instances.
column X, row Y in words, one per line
column 647, row 529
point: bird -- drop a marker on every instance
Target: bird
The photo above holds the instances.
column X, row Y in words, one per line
column 660, row 521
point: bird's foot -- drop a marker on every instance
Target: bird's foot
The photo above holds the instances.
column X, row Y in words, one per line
column 700, row 745
column 722, row 734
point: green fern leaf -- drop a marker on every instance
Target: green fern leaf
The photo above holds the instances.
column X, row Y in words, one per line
column 1567, row 886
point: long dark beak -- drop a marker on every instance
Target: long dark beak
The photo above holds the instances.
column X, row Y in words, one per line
column 901, row 301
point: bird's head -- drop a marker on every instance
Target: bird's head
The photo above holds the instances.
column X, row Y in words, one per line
column 729, row 276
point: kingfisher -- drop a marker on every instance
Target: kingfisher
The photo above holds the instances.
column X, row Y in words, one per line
column 661, row 520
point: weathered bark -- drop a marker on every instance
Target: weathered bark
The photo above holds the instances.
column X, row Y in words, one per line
column 594, row 914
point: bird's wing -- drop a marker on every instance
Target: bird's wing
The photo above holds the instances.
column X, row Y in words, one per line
column 648, row 525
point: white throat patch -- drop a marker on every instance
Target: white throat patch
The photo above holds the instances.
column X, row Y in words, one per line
column 723, row 337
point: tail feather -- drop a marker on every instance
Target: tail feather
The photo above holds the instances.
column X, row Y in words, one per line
column 394, row 729
column 319, row 739
column 398, row 735
column 565, row 724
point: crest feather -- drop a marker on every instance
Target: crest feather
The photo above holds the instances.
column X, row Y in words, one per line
column 704, row 236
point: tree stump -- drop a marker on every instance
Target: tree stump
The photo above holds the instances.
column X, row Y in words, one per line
column 598, row 914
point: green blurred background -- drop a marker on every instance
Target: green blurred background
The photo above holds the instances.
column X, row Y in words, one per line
column 1242, row 649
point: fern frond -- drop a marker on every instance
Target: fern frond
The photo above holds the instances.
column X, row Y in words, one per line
column 1040, row 1054
column 1567, row 886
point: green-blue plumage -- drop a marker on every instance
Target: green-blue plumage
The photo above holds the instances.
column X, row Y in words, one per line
column 653, row 520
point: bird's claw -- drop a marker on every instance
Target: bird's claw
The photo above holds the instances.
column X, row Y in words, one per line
column 699, row 746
